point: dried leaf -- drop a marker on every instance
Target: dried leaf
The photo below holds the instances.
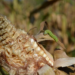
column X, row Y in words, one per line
column 72, row 73
column 41, row 37
column 44, row 26
column 63, row 62
column 58, row 72
column 46, row 70
column 60, row 54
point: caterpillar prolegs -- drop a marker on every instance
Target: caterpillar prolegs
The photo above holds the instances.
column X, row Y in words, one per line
column 19, row 52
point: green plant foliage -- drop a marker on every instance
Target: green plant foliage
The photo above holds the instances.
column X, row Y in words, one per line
column 3, row 71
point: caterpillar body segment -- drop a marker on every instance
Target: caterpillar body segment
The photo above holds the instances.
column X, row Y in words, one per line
column 51, row 34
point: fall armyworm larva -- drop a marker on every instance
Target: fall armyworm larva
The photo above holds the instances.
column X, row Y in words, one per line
column 51, row 34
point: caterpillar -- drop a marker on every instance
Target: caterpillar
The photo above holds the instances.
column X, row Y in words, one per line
column 19, row 52
column 51, row 34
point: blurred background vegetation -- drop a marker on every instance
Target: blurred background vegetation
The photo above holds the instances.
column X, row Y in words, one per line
column 59, row 14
